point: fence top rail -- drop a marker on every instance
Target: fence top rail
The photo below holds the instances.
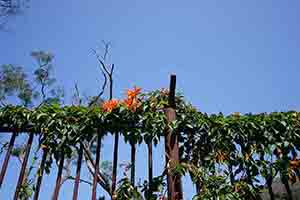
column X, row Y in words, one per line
column 203, row 138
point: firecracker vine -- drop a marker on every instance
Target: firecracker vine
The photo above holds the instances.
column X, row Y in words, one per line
column 237, row 151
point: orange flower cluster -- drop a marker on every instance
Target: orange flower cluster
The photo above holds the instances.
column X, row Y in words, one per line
column 132, row 102
column 131, row 94
column 110, row 105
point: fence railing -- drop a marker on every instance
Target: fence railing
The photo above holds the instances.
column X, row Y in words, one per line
column 215, row 135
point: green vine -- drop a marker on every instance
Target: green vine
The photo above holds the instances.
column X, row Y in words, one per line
column 233, row 150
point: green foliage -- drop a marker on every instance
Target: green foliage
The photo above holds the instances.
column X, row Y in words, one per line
column 26, row 191
column 228, row 153
column 106, row 169
column 155, row 190
column 13, row 81
column 43, row 76
column 126, row 191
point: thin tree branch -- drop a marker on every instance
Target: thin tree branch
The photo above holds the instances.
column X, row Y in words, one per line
column 81, row 180
column 102, row 89
column 91, row 166
column 100, row 61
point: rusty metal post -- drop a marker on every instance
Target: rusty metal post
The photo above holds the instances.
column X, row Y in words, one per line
column 7, row 156
column 150, row 163
column 98, row 147
column 132, row 173
column 58, row 178
column 23, row 168
column 77, row 178
column 115, row 166
column 172, row 147
column 40, row 175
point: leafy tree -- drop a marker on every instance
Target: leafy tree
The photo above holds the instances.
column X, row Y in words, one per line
column 13, row 81
column 10, row 8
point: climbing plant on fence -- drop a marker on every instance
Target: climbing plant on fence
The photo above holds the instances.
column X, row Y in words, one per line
column 229, row 157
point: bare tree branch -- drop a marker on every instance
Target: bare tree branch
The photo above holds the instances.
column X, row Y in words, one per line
column 100, row 61
column 102, row 90
column 76, row 99
column 91, row 167
column 80, row 180
column 106, row 49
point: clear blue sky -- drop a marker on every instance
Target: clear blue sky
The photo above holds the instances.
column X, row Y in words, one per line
column 228, row 55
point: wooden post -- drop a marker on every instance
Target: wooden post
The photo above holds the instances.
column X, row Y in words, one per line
column 150, row 164
column 115, row 165
column 77, row 178
column 132, row 173
column 40, row 175
column 58, row 178
column 172, row 147
column 23, row 168
column 98, row 147
column 7, row 156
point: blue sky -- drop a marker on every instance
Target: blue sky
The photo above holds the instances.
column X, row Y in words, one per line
column 228, row 55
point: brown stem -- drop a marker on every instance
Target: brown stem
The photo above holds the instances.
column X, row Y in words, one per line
column 91, row 167
column 7, row 157
column 132, row 175
column 23, row 168
column 40, row 176
column 287, row 187
column 94, row 192
column 111, row 82
column 59, row 178
column 115, row 165
column 150, row 163
column 77, row 179
column 269, row 180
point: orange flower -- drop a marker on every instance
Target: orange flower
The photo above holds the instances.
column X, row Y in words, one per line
column 132, row 104
column 133, row 93
column 128, row 102
column 108, row 106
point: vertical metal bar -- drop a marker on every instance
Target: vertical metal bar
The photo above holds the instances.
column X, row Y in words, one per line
column 40, row 175
column 7, row 156
column 94, row 191
column 269, row 180
column 23, row 168
column 132, row 174
column 150, row 163
column 58, row 179
column 115, row 166
column 77, row 178
column 172, row 146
